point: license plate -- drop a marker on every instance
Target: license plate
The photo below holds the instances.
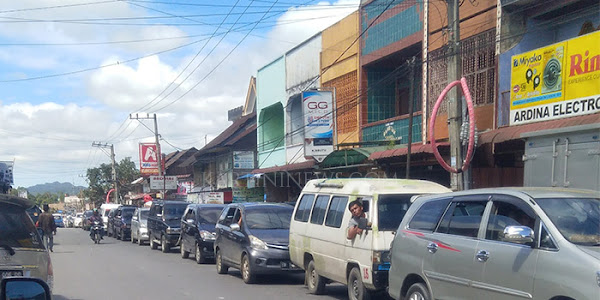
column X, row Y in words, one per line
column 11, row 273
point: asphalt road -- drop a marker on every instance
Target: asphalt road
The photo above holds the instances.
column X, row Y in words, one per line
column 122, row 270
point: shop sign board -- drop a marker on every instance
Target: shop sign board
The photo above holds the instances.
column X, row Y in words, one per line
column 148, row 159
column 243, row 159
column 163, row 182
column 557, row 81
column 317, row 109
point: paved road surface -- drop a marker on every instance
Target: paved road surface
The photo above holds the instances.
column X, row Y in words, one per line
column 122, row 270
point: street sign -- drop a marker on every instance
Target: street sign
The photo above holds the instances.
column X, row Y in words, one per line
column 163, row 182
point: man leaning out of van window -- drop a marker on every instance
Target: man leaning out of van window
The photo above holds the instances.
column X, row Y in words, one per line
column 356, row 208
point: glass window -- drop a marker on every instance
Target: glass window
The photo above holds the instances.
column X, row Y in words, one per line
column 227, row 216
column 127, row 213
column 503, row 215
column 16, row 228
column 391, row 210
column 303, row 211
column 577, row 219
column 276, row 217
column 144, row 214
column 336, row 211
column 174, row 211
column 546, row 241
column 318, row 213
column 463, row 218
column 428, row 215
column 209, row 215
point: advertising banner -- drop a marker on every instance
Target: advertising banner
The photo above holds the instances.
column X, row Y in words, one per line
column 557, row 81
column 317, row 109
column 243, row 159
column 163, row 182
column 148, row 159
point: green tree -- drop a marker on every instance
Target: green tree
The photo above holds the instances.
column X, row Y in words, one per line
column 100, row 180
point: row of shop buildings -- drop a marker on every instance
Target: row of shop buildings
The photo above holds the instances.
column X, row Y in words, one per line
column 339, row 103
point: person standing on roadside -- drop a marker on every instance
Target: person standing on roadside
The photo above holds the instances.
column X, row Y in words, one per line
column 46, row 223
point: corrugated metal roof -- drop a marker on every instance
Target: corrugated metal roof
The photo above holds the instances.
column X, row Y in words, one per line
column 291, row 167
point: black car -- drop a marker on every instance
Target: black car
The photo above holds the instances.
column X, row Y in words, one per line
column 121, row 222
column 256, row 244
column 164, row 223
column 198, row 231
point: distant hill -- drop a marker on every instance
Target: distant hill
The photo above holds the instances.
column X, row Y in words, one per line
column 55, row 187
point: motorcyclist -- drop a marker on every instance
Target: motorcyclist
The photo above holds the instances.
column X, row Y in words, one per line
column 96, row 217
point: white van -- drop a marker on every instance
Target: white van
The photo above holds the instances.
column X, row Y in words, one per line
column 104, row 210
column 318, row 230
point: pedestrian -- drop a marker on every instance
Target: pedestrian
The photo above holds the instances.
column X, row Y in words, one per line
column 46, row 223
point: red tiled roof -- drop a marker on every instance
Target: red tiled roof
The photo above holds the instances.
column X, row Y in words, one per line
column 514, row 132
column 416, row 148
column 291, row 167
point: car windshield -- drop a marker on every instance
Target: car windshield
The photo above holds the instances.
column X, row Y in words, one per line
column 209, row 215
column 16, row 228
column 127, row 213
column 88, row 214
column 144, row 214
column 391, row 209
column 577, row 219
column 269, row 217
column 57, row 217
column 174, row 211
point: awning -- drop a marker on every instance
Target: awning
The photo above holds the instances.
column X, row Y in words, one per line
column 514, row 132
column 250, row 175
column 286, row 168
column 415, row 149
column 137, row 181
column 348, row 157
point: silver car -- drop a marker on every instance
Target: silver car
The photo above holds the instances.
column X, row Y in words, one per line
column 139, row 225
column 504, row 243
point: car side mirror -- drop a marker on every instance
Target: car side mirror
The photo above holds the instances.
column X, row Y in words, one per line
column 24, row 288
column 518, row 234
column 235, row 227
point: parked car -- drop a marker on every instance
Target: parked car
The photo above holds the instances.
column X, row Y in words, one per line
column 254, row 238
column 164, row 223
column 110, row 229
column 22, row 252
column 502, row 243
column 86, row 220
column 78, row 220
column 121, row 222
column 198, row 231
column 318, row 231
column 58, row 220
column 104, row 211
column 139, row 225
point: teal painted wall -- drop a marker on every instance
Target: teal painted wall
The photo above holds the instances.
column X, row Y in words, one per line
column 375, row 133
column 270, row 99
column 388, row 31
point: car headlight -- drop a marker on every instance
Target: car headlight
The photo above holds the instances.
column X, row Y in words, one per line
column 207, row 235
column 257, row 243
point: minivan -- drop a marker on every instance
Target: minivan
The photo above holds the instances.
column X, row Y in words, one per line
column 501, row 243
column 198, row 231
column 318, row 230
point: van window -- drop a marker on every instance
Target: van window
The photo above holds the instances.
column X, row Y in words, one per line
column 428, row 215
column 318, row 213
column 391, row 210
column 463, row 218
column 303, row 211
column 336, row 211
column 16, row 228
column 506, row 214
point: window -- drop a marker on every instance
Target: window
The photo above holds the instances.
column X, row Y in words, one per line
column 546, row 241
column 503, row 215
column 463, row 218
column 426, row 218
column 269, row 217
column 303, row 211
column 174, row 211
column 336, row 211
column 209, row 215
column 227, row 216
column 391, row 210
column 318, row 214
column 16, row 228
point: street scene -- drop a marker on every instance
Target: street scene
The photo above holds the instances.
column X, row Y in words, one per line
column 300, row 149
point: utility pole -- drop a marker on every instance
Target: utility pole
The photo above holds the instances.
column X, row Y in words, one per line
column 454, row 104
column 411, row 94
column 114, row 170
column 156, row 138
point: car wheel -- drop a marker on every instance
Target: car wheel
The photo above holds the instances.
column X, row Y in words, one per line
column 164, row 245
column 417, row 291
column 246, row 270
column 314, row 281
column 200, row 259
column 356, row 288
column 153, row 245
column 221, row 267
column 184, row 254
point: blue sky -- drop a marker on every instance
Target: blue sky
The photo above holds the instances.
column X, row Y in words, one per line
column 71, row 72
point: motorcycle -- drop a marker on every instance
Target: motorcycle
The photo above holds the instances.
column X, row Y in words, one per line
column 96, row 232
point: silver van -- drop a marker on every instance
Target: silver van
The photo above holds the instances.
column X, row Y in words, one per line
column 503, row 243
column 22, row 252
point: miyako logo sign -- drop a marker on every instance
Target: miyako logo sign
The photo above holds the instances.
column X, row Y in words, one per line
column 318, row 123
column 148, row 159
column 557, row 81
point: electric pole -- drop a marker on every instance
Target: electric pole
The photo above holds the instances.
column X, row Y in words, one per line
column 114, row 170
column 454, row 104
column 411, row 95
column 156, row 137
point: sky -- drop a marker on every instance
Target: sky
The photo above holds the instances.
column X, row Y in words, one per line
column 73, row 71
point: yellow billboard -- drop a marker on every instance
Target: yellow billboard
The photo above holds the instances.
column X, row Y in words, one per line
column 557, row 81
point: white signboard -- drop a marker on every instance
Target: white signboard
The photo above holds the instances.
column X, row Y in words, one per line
column 317, row 109
column 243, row 159
column 163, row 182
column 213, row 197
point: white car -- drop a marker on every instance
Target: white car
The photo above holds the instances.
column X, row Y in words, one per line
column 78, row 220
